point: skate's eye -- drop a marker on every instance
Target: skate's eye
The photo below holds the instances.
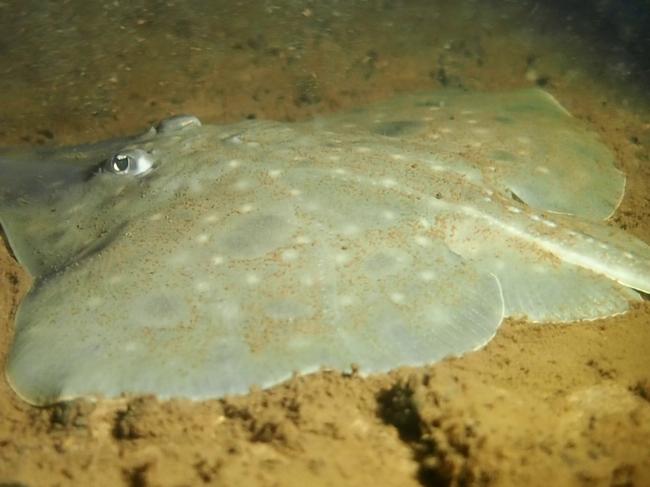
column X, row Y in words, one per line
column 131, row 162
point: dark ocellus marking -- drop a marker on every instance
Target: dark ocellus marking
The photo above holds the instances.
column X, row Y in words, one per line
column 397, row 127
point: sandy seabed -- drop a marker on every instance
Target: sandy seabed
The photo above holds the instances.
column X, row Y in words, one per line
column 539, row 405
